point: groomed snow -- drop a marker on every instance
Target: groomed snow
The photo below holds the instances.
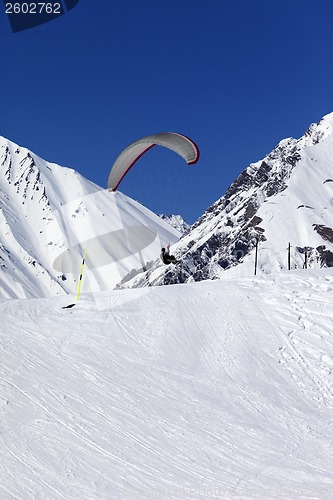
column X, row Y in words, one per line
column 217, row 389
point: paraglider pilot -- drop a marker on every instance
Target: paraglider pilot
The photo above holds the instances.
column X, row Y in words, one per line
column 166, row 257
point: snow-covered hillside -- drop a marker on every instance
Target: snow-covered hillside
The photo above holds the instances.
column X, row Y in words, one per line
column 217, row 389
column 286, row 198
column 50, row 214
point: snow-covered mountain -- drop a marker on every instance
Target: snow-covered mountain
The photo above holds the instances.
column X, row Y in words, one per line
column 286, row 198
column 177, row 222
column 50, row 214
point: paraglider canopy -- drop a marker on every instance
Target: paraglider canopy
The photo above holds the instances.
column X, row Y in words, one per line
column 178, row 143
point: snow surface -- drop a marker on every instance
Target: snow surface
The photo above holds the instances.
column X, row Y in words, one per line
column 217, row 389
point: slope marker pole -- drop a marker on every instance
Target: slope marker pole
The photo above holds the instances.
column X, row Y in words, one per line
column 81, row 273
column 80, row 282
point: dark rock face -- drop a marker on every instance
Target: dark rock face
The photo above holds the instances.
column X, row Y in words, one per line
column 325, row 232
column 237, row 227
column 326, row 256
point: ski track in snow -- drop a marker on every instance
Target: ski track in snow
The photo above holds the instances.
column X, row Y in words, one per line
column 217, row 389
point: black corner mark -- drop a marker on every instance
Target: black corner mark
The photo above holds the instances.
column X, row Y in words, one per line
column 27, row 14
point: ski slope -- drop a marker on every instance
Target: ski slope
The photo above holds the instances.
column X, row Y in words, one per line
column 219, row 389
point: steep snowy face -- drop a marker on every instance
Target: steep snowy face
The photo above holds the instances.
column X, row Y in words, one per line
column 50, row 214
column 28, row 201
column 286, row 198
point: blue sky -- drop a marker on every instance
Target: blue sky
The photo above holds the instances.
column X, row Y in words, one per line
column 236, row 77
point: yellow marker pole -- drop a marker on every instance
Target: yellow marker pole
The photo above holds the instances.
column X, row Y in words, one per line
column 80, row 279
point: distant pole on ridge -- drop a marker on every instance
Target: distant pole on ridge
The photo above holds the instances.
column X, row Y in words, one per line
column 256, row 257
column 289, row 264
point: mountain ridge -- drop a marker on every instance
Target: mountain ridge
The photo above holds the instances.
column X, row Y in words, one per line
column 295, row 175
column 47, row 211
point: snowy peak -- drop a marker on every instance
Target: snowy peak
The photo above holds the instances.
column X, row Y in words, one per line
column 257, row 182
column 318, row 132
column 33, row 178
column 49, row 214
column 265, row 203
column 177, row 222
column 285, row 198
